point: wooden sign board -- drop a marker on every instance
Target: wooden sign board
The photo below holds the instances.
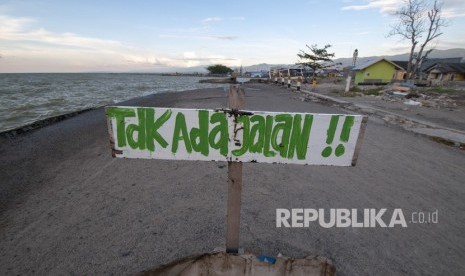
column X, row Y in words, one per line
column 238, row 136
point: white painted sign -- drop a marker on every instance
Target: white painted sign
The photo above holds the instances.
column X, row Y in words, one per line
column 243, row 136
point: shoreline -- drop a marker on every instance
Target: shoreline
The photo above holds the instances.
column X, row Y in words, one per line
column 43, row 123
column 10, row 133
column 58, row 136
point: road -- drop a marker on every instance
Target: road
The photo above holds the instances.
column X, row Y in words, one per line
column 68, row 208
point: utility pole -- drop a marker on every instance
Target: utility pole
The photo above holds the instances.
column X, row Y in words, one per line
column 349, row 77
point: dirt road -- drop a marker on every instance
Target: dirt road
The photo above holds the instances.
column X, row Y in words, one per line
column 68, row 208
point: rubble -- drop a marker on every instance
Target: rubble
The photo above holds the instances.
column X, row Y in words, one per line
column 412, row 102
column 427, row 97
column 419, row 99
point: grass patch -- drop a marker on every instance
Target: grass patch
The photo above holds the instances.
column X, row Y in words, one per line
column 442, row 141
column 375, row 92
column 355, row 89
column 445, row 90
column 351, row 94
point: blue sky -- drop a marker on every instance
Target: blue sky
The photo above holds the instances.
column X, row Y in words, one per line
column 80, row 36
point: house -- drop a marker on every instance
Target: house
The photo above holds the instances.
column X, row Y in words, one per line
column 401, row 74
column 331, row 73
column 292, row 71
column 380, row 71
column 424, row 65
column 432, row 61
column 256, row 74
column 441, row 72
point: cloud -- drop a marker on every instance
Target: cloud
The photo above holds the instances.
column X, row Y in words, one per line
column 208, row 59
column 186, row 59
column 451, row 8
column 223, row 37
column 192, row 56
column 220, row 37
column 28, row 48
column 13, row 24
column 452, row 12
column 218, row 19
column 385, row 6
column 192, row 59
column 143, row 60
column 19, row 30
column 211, row 19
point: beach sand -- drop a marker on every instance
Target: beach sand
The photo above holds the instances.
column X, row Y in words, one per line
column 69, row 208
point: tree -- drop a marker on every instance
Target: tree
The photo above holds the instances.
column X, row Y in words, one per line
column 419, row 22
column 318, row 58
column 219, row 69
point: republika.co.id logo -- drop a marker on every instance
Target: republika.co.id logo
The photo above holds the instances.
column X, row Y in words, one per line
column 340, row 217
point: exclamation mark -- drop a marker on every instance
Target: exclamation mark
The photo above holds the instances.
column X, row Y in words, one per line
column 344, row 137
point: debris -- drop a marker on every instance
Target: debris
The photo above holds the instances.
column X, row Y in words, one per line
column 411, row 102
column 407, row 84
column 266, row 259
column 403, row 94
column 401, row 88
column 220, row 263
column 430, row 103
column 412, row 95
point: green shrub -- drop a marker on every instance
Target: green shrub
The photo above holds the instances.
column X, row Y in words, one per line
column 355, row 89
column 376, row 91
column 443, row 90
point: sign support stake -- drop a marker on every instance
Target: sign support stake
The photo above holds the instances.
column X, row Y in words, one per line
column 236, row 102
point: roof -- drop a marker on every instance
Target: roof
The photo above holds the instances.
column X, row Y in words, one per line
column 402, row 64
column 448, row 67
column 428, row 62
column 371, row 62
column 432, row 61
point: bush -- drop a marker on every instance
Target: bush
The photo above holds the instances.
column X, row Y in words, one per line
column 375, row 91
column 355, row 89
column 219, row 69
column 443, row 90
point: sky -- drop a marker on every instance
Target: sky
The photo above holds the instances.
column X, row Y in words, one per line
column 163, row 36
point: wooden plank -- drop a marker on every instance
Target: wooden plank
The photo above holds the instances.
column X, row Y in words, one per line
column 233, row 216
column 236, row 97
column 234, row 135
column 361, row 135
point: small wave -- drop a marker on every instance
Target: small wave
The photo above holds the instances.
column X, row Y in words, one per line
column 25, row 107
column 142, row 87
column 118, row 87
column 55, row 101
column 29, row 97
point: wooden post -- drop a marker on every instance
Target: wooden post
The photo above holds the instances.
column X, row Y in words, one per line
column 349, row 79
column 236, row 102
column 351, row 72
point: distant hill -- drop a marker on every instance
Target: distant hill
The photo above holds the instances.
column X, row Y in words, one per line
column 451, row 53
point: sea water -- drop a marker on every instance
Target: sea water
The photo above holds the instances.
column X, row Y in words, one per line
column 27, row 98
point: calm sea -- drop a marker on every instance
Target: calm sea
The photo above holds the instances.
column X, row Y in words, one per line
column 26, row 98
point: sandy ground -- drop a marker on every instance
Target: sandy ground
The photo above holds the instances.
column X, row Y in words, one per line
column 68, row 208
